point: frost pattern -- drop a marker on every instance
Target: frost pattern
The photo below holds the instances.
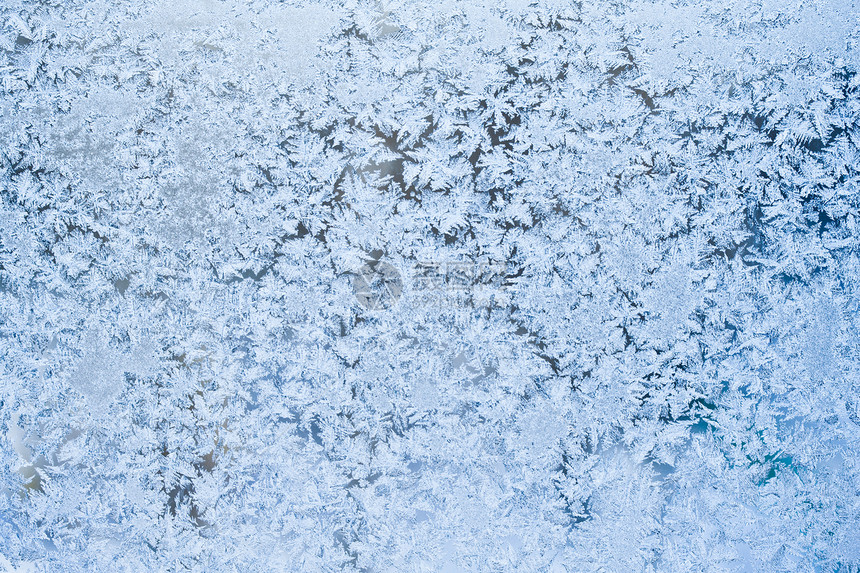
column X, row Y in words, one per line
column 429, row 286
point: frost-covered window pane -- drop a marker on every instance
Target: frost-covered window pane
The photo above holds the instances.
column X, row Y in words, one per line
column 372, row 286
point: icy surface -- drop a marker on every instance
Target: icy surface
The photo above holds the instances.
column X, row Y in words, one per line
column 411, row 286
